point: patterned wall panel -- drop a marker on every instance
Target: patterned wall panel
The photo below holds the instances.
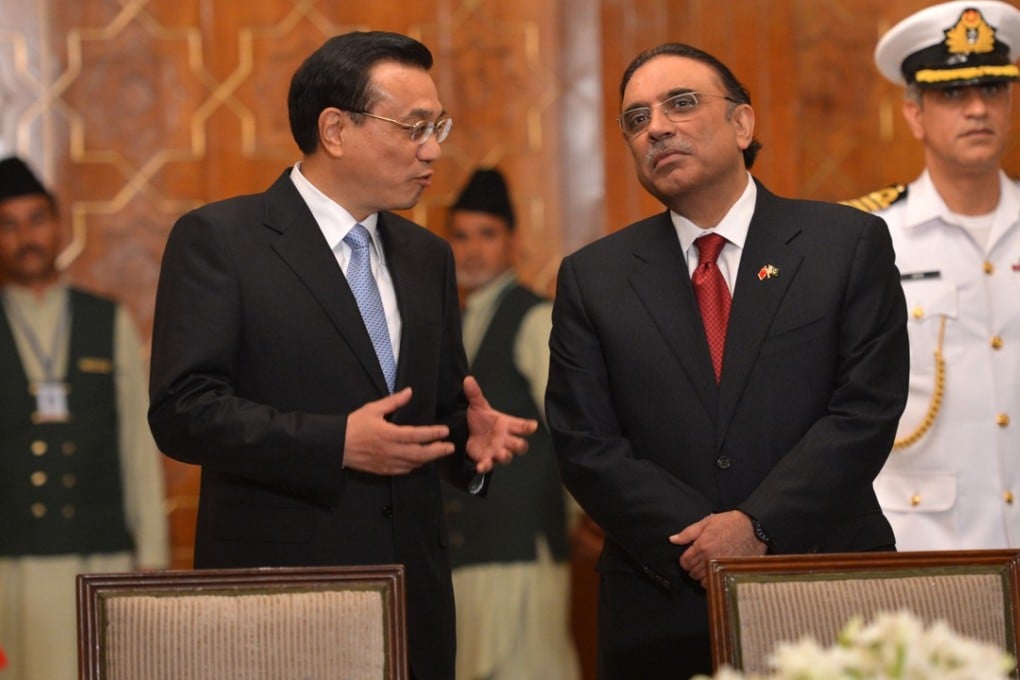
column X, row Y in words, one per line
column 137, row 110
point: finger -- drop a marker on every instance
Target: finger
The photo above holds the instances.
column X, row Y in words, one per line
column 390, row 403
column 688, row 535
column 426, row 453
column 689, row 560
column 514, row 446
column 473, row 392
column 484, row 466
column 417, row 434
column 521, row 426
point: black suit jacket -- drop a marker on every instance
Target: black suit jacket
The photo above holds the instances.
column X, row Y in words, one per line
column 814, row 380
column 259, row 353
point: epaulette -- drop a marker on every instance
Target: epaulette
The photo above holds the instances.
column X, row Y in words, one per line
column 878, row 200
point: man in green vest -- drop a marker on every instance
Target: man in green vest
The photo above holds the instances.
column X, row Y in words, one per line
column 81, row 485
column 509, row 550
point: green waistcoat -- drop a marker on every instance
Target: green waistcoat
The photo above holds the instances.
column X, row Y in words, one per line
column 60, row 483
column 525, row 498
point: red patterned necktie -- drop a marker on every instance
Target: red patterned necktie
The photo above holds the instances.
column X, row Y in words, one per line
column 713, row 296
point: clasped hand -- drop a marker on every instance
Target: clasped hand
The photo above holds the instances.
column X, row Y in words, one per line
column 726, row 534
column 373, row 444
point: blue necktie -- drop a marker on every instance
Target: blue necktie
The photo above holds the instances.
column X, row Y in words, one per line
column 366, row 292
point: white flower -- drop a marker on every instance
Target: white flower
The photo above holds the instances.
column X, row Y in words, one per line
column 895, row 646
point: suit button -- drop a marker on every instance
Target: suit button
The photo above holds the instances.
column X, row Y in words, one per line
column 387, row 511
column 38, row 478
column 38, row 510
column 68, row 448
column 39, row 447
column 723, row 462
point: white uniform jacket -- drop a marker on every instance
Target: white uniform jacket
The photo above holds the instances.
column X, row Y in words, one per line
column 958, row 485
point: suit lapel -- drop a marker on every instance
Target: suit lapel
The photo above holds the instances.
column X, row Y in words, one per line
column 659, row 278
column 304, row 249
column 756, row 300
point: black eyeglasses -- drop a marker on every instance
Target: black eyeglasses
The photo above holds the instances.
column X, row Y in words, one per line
column 677, row 108
column 422, row 130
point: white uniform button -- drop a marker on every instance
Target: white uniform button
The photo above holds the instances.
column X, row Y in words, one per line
column 915, row 500
column 1002, row 420
column 989, row 268
column 997, row 342
column 1008, row 497
column 917, row 312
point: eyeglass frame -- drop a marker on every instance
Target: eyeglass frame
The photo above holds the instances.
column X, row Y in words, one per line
column 430, row 127
column 662, row 104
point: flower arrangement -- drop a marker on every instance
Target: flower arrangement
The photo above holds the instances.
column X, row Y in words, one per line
column 895, row 646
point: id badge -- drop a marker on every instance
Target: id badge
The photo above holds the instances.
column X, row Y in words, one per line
column 51, row 402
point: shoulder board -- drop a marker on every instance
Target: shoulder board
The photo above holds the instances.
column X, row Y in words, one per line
column 879, row 200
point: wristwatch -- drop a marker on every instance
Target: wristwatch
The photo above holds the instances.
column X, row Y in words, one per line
column 759, row 531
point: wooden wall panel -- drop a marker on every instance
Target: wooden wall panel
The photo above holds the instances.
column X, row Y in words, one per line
column 135, row 111
column 830, row 124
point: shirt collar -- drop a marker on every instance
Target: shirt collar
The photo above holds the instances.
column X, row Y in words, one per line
column 924, row 204
column 333, row 219
column 26, row 297
column 733, row 226
column 486, row 296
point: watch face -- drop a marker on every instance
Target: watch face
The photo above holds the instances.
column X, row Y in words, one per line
column 760, row 532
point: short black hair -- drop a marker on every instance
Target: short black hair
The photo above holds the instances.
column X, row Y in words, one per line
column 337, row 75
column 734, row 88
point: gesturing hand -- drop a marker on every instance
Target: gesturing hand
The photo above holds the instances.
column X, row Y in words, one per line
column 375, row 445
column 493, row 436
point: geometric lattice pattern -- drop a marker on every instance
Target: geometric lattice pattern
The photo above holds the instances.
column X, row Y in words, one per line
column 135, row 111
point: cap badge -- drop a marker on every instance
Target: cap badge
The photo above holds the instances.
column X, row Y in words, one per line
column 971, row 34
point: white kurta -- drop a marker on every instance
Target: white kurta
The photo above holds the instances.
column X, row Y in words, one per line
column 38, row 624
column 513, row 619
column 955, row 487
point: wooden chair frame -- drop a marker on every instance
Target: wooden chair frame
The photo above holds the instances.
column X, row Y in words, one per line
column 93, row 590
column 728, row 574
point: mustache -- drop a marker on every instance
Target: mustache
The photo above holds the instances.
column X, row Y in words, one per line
column 28, row 250
column 666, row 146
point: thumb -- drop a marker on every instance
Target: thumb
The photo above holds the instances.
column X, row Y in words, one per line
column 392, row 402
column 473, row 392
column 689, row 533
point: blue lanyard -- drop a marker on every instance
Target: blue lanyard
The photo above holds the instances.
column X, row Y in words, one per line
column 46, row 359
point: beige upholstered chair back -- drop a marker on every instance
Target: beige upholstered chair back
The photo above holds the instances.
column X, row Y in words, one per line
column 327, row 623
column 755, row 603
